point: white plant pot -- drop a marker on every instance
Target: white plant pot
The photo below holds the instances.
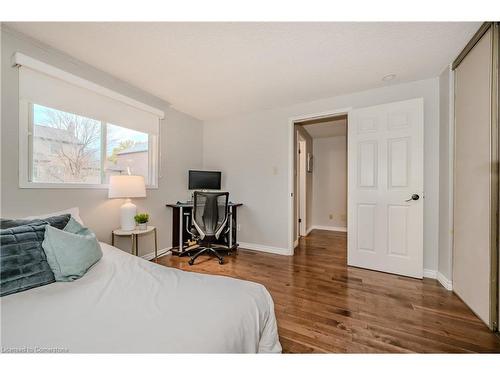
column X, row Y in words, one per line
column 142, row 226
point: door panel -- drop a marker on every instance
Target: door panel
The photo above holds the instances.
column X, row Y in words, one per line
column 385, row 156
column 398, row 162
column 397, row 227
column 367, row 165
column 366, row 219
column 472, row 187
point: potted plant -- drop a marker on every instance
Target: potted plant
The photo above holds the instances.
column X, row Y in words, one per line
column 142, row 220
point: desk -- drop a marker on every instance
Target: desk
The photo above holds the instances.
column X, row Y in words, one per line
column 182, row 221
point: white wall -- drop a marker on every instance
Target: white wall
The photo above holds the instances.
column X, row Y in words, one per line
column 253, row 153
column 445, row 173
column 330, row 182
column 98, row 212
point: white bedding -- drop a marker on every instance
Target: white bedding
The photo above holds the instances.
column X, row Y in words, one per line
column 125, row 304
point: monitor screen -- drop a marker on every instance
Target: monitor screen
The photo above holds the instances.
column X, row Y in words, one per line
column 205, row 180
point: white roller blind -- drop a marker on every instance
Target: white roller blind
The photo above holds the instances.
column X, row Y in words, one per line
column 40, row 88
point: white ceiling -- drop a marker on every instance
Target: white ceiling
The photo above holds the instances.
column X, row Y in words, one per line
column 327, row 129
column 212, row 70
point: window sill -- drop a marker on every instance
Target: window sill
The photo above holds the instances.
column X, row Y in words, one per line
column 41, row 185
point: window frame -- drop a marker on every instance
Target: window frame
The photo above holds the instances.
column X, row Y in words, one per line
column 26, row 154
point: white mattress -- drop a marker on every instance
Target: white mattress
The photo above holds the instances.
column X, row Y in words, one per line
column 125, row 304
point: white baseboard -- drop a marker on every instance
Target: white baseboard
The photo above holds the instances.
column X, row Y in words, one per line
column 333, row 229
column 444, row 281
column 433, row 274
column 295, row 243
column 265, row 248
column 151, row 255
column 309, row 231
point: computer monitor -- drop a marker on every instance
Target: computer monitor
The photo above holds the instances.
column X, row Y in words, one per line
column 204, row 180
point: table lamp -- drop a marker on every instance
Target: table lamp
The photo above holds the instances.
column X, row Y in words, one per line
column 127, row 187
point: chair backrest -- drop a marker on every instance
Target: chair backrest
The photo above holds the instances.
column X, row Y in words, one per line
column 210, row 213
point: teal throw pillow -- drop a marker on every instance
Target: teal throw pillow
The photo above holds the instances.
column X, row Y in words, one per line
column 72, row 251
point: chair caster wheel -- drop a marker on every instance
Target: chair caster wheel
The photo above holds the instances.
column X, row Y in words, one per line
column 190, row 262
column 221, row 261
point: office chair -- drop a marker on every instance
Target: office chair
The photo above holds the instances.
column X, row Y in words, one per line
column 210, row 217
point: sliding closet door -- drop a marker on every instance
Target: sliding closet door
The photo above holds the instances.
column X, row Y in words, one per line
column 475, row 186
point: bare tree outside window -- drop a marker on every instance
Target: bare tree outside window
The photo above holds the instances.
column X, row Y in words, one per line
column 66, row 146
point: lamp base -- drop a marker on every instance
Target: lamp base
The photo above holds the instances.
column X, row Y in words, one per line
column 127, row 213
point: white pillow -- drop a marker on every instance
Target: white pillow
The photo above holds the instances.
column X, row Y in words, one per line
column 74, row 211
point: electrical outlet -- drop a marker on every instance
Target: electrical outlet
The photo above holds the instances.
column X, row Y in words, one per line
column 238, row 227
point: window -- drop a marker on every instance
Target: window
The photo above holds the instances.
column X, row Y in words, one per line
column 73, row 149
column 126, row 150
column 75, row 133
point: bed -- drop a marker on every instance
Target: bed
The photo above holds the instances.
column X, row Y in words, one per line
column 125, row 304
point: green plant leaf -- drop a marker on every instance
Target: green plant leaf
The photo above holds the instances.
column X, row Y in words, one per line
column 141, row 218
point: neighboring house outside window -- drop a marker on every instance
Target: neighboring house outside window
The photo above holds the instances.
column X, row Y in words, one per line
column 55, row 157
column 128, row 151
column 134, row 157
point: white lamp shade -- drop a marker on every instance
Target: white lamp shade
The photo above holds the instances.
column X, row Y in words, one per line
column 127, row 187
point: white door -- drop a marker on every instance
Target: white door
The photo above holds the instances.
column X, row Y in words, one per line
column 302, row 187
column 385, row 188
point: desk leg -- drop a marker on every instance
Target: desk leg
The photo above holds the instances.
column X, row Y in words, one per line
column 181, row 222
column 112, row 239
column 156, row 246
column 230, row 227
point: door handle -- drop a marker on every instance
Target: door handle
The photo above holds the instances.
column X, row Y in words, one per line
column 414, row 197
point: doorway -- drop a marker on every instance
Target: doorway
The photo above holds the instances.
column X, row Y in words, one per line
column 320, row 175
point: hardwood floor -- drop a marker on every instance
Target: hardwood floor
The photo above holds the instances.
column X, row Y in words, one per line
column 324, row 306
